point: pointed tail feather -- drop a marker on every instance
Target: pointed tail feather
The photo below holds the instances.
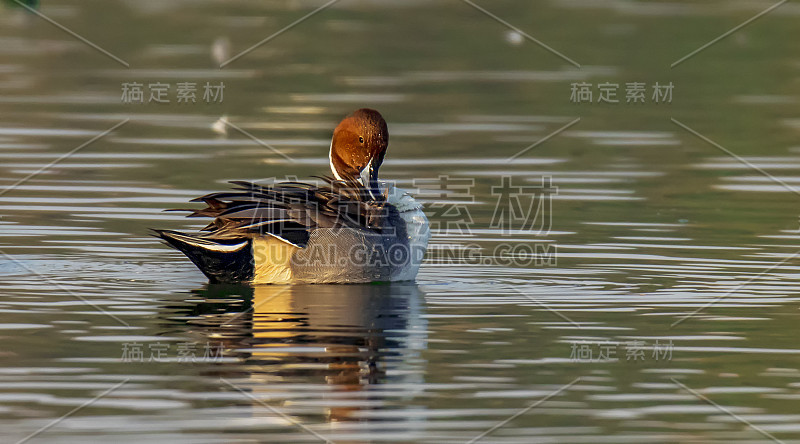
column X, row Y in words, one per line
column 220, row 261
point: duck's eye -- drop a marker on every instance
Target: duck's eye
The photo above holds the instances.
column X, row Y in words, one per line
column 360, row 139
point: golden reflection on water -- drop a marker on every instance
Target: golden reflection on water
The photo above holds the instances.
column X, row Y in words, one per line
column 342, row 338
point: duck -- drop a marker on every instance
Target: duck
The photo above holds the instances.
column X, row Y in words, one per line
column 350, row 227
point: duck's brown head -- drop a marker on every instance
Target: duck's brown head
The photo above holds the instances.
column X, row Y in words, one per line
column 358, row 147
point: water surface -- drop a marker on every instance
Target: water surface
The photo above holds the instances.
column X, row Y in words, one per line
column 656, row 302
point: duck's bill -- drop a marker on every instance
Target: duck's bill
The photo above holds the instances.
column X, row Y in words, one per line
column 369, row 180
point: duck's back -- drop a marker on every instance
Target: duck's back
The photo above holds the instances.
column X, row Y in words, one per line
column 293, row 234
column 351, row 255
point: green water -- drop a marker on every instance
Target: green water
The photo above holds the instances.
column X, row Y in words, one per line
column 663, row 307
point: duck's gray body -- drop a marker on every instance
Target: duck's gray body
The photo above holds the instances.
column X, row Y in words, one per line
column 323, row 250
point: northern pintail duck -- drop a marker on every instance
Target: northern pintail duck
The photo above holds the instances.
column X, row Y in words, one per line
column 351, row 228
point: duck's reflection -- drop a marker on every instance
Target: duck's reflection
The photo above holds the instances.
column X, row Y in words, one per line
column 346, row 337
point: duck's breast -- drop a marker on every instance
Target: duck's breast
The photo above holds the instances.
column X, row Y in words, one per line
column 417, row 230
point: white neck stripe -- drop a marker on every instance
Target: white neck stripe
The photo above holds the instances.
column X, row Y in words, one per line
column 330, row 159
